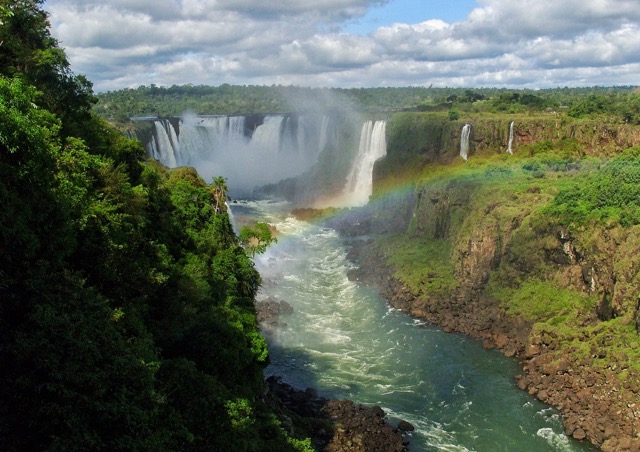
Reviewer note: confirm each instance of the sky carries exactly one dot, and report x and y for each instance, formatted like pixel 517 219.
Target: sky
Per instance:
pixel 351 43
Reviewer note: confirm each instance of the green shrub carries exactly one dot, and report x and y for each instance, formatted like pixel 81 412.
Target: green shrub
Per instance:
pixel 612 192
pixel 539 300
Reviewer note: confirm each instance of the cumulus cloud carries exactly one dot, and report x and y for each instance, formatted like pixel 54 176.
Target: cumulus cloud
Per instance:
pixel 526 43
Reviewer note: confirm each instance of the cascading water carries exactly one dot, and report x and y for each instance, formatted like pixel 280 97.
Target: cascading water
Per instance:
pixel 199 136
pixel 268 136
pixel 165 143
pixel 232 219
pixel 464 141
pixel 345 341
pixel 324 133
pixel 510 141
pixel 373 146
pixel 274 148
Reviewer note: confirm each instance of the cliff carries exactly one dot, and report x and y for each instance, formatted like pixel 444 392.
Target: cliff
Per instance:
pixel 419 139
pixel 537 254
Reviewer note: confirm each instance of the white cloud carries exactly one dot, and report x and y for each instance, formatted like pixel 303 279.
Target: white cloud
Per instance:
pixel 528 43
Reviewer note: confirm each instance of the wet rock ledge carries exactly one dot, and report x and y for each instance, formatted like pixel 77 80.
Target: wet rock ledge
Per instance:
pixel 335 425
pixel 332 425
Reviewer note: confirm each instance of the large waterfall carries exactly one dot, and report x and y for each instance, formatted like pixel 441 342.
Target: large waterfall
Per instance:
pixel 164 143
pixel 464 141
pixel 373 146
pixel 510 141
pixel 247 150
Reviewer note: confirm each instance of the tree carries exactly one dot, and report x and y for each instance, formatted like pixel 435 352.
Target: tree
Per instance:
pixel 257 239
pixel 29 52
pixel 219 192
pixel 67 365
pixel 126 304
pixel 30 211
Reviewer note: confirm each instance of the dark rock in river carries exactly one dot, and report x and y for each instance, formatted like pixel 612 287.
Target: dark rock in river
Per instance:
pixel 269 311
pixel 405 426
pixel 336 425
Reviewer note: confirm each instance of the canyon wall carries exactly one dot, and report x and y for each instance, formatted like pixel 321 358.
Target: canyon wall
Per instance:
pixel 498 266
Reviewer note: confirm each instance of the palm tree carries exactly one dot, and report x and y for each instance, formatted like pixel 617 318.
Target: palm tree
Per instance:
pixel 219 191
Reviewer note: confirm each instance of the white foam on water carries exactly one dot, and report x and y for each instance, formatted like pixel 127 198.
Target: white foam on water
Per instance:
pixel 559 441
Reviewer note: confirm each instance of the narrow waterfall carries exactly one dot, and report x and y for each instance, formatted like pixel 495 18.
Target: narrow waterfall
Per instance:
pixel 232 218
pixel 373 146
pixel 248 150
pixel 510 142
pixel 324 133
pixel 152 148
pixel 464 141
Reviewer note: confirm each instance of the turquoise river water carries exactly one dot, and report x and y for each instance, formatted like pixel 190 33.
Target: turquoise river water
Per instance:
pixel 345 341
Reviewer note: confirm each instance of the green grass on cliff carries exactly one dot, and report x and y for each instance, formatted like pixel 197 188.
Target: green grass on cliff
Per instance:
pixel 610 193
pixel 423 266
pixel 612 345
pixel 543 301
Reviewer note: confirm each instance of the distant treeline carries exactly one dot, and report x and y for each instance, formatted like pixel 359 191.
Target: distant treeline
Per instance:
pixel 622 102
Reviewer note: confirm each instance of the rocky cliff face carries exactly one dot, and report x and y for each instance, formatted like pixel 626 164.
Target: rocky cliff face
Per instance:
pixel 592 137
pixel 417 139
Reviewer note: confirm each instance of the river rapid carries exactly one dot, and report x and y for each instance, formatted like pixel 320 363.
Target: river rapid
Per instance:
pixel 345 341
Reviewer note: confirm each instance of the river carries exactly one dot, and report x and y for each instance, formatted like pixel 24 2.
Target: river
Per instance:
pixel 345 341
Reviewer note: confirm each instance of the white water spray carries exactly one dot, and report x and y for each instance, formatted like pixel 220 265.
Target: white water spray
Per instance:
pixel 373 146
pixel 166 143
pixel 248 155
pixel 510 142
pixel 464 141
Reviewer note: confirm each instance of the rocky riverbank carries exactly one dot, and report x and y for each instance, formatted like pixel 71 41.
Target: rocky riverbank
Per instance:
pixel 332 425
pixel 335 425
pixel 596 405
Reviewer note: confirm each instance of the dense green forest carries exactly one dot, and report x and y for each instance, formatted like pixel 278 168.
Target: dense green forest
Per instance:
pixel 126 299
pixel 619 103
pixel 126 316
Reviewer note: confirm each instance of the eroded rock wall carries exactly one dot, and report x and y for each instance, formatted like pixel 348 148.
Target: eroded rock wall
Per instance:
pixel 499 240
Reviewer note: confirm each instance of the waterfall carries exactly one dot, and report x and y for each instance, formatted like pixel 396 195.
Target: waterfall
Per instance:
pixel 232 218
pixel 202 137
pixel 166 142
pixel 248 150
pixel 267 136
pixel 373 146
pixel 510 142
pixel 152 148
pixel 324 133
pixel 464 141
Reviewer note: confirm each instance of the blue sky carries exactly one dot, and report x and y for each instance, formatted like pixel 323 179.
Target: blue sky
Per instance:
pixel 410 11
pixel 351 43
